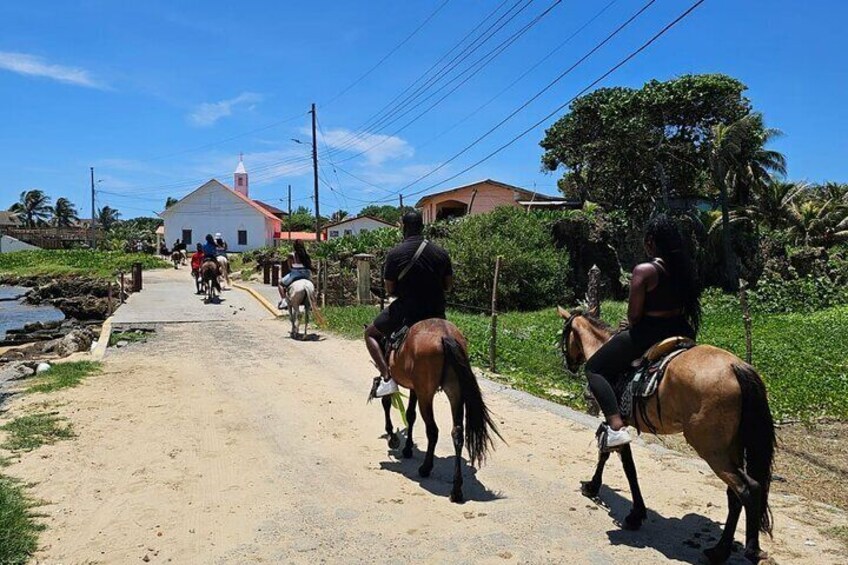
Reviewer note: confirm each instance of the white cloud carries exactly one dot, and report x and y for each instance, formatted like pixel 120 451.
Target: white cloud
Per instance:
pixel 32 65
pixel 379 148
pixel 208 113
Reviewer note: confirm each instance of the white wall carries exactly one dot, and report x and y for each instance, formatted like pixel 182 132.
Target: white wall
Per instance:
pixel 214 208
pixel 10 244
pixel 355 226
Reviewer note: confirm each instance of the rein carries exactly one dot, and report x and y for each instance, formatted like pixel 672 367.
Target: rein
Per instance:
pixel 563 347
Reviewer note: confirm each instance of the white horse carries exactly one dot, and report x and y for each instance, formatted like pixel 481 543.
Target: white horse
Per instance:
pixel 225 268
pixel 300 297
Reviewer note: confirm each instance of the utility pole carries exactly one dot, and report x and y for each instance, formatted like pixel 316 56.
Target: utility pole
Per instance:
pixel 91 226
pixel 315 173
pixel 400 198
pixel 289 222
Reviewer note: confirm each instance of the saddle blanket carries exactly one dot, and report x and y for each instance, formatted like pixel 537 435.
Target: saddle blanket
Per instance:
pixel 645 380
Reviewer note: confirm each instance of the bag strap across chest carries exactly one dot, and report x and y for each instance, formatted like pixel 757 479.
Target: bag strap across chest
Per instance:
pixel 414 260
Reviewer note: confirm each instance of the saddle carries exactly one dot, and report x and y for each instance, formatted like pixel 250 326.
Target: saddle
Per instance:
pixel 644 381
pixel 395 341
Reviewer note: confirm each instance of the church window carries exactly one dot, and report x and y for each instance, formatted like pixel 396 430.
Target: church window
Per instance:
pixel 241 181
pixel 242 237
pixel 187 237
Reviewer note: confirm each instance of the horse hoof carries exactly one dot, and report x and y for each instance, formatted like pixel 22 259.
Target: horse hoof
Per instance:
pixel 589 489
pixel 407 452
pixel 424 471
pixel 394 441
pixel 634 520
pixel 717 554
pixel 756 556
pixel 456 496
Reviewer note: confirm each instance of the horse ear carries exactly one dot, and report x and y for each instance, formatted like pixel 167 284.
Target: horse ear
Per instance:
pixel 563 313
pixel 595 311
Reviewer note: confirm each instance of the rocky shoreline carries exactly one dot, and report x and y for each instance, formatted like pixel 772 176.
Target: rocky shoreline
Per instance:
pixel 85 302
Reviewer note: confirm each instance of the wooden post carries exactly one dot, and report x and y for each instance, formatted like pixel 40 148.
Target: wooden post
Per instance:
pixel 266 271
pixel 746 319
pixel 493 341
pixel 593 295
pixel 275 274
pixel 363 275
pixel 111 309
pixel 121 290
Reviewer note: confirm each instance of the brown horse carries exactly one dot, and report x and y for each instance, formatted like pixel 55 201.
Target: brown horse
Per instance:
pixel 209 276
pixel 434 357
pixel 719 403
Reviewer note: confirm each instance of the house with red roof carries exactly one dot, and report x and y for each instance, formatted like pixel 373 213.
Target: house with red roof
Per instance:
pixel 215 208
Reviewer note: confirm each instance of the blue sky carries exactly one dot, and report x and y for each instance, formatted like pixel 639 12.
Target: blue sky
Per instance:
pixel 159 95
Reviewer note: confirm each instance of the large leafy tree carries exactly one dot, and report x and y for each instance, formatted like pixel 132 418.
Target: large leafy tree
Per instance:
pixel 107 217
pixel 338 215
pixel 630 148
pixel 33 207
pixel 64 213
pixel 301 219
pixel 388 213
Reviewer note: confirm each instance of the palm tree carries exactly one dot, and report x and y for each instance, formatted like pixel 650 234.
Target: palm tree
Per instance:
pixel 739 162
pixel 775 200
pixel 819 223
pixel 33 207
pixel 338 216
pixel 107 217
pixel 170 202
pixel 64 213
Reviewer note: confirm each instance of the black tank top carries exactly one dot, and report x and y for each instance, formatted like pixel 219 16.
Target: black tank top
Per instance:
pixel 664 296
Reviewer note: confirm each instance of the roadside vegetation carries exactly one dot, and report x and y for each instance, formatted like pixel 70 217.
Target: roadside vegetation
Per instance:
pixel 128 336
pixel 803 357
pixel 57 262
pixel 18 526
pixel 31 431
pixel 63 375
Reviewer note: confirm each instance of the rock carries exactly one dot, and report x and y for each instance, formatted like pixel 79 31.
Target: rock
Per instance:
pixel 41 368
pixel 83 307
pixel 122 343
pixel 93 345
pixel 78 340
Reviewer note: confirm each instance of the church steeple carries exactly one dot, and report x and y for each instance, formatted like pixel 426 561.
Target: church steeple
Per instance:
pixel 240 177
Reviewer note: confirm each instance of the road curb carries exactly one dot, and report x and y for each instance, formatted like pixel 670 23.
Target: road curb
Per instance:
pixel 262 300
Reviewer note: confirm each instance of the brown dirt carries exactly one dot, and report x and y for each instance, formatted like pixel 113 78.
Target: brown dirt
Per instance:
pixel 263 450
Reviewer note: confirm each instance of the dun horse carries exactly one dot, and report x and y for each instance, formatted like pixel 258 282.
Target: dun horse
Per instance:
pixel 209 276
pixel 719 403
pixel 434 357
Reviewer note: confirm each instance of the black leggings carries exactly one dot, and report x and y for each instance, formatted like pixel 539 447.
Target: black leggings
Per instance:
pixel 612 361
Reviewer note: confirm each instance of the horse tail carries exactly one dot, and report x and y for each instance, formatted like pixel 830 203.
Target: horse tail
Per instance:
pixel 478 422
pixel 756 430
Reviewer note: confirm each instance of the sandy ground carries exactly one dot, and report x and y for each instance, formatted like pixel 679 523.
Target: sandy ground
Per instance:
pixel 264 450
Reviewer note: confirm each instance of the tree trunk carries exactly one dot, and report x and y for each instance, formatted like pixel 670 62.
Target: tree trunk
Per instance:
pixel 731 280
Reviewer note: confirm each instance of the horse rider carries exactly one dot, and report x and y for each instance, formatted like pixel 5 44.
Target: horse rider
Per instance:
pixel 300 267
pixel 210 252
pixel 181 248
pixel 222 259
pixel 418 273
pixel 664 302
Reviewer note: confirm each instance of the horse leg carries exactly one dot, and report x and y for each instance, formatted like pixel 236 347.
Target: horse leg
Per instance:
pixel 394 441
pixel 457 434
pixel 637 515
pixel 748 494
pixel 592 487
pixel 410 421
pixel 426 403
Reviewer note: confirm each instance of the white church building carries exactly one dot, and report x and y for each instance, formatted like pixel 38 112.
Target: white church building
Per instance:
pixel 214 207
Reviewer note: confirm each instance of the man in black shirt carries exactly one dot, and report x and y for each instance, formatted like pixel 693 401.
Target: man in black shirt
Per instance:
pixel 418 273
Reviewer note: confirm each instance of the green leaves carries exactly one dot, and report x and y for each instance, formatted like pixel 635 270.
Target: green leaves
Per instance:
pixel 73 261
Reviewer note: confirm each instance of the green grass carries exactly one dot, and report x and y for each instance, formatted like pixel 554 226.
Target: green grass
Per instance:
pixel 18 528
pixel 26 433
pixel 56 262
pixel 63 375
pixel 130 337
pixel 802 357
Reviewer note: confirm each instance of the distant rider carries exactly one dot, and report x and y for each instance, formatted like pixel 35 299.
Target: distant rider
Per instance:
pixel 300 267
pixel 418 273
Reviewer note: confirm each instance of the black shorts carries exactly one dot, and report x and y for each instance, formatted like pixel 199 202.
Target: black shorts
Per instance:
pixel 390 319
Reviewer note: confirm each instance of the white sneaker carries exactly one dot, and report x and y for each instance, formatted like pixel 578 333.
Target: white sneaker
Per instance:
pixel 283 304
pixel 386 388
pixel 610 439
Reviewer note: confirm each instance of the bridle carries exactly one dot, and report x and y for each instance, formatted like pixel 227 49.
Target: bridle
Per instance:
pixel 571 367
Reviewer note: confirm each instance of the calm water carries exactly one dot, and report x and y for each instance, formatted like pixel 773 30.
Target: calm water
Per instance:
pixel 14 314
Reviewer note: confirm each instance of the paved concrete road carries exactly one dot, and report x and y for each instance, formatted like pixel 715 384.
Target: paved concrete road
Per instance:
pixel 168 296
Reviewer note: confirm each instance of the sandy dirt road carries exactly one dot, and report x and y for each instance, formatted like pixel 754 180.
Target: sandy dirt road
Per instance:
pixel 263 450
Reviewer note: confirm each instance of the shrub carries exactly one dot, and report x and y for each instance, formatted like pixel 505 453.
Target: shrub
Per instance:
pixel 533 271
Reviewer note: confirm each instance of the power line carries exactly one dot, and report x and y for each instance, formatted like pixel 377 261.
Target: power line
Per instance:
pixel 617 66
pixel 550 85
pixel 387 55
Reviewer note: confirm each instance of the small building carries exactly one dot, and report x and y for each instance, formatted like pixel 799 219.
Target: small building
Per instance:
pixel 214 207
pixel 286 236
pixel 10 244
pixel 481 197
pixel 9 220
pixel 354 226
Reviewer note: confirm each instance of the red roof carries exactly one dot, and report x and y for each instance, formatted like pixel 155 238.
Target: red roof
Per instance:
pixel 303 235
